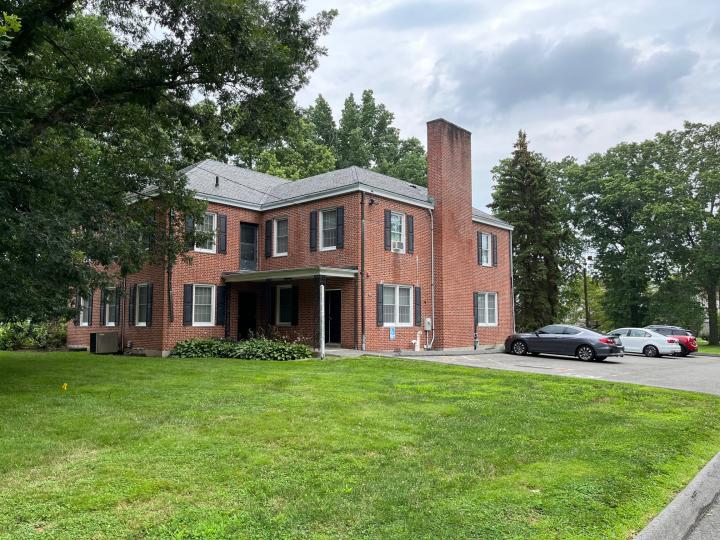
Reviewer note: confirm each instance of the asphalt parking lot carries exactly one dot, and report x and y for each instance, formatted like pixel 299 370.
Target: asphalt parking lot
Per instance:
pixel 695 372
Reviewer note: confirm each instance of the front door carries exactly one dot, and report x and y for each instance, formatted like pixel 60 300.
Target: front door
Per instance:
pixel 248 246
pixel 247 308
pixel 332 316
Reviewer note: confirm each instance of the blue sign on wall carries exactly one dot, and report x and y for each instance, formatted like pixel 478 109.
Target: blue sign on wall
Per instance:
pixel 392 332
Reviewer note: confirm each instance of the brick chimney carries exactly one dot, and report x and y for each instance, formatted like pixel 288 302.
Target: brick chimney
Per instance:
pixel 450 185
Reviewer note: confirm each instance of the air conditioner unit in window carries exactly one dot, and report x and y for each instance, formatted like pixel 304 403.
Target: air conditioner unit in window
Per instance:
pixel 104 342
pixel 398 246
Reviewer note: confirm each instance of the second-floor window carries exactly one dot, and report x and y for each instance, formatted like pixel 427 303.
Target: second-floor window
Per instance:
pixel 280 237
pixel 485 249
pixel 207 225
pixel 328 229
pixel 397 232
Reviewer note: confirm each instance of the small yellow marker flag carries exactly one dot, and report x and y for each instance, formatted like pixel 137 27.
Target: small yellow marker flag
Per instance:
pixel 64 386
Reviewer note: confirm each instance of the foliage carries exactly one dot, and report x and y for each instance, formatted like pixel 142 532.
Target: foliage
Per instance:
pixel 204 448
pixel 524 197
pixel 8 25
pixel 258 348
pixel 572 303
pixel 47 335
pixel 98 114
pixel 676 301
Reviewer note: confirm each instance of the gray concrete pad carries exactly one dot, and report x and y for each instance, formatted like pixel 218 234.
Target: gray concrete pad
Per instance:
pixel 695 372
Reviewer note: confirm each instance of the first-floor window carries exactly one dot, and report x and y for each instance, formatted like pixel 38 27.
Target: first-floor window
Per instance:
pixel 141 304
pixel 487 309
pixel 397 305
pixel 203 304
pixel 283 307
pixel 110 307
pixel 85 307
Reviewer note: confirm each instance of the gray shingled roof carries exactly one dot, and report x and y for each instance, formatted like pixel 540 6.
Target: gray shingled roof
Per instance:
pixel 263 190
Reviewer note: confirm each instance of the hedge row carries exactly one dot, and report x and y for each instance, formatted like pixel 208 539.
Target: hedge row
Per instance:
pixel 250 349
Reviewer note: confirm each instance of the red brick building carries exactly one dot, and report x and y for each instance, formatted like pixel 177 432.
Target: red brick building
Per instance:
pixel 394 263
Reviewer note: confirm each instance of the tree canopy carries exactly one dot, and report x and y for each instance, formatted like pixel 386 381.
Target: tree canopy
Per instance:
pixel 98 113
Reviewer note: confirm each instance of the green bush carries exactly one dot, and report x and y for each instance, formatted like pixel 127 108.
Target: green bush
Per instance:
pixel 47 335
pixel 251 349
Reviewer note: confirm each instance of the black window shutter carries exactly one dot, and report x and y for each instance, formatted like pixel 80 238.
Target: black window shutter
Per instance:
pixel 475 308
pixel 220 304
pixel 268 238
pixel 271 300
pixel 90 307
pixel 313 230
pixel 418 307
pixel 187 304
pixel 379 304
pixel 76 319
pixel 410 234
pixel 103 320
pixel 131 305
pixel 494 250
pixel 479 247
pixel 222 233
pixel 340 227
pixel 117 305
pixel 148 310
pixel 295 305
pixel 189 230
pixel 387 230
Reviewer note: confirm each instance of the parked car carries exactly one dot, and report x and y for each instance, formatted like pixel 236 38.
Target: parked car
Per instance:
pixel 647 341
pixel 688 343
pixel 565 340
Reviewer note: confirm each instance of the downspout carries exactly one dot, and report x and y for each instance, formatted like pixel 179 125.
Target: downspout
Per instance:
pixel 362 271
pixel 512 284
pixel 429 346
pixel 123 309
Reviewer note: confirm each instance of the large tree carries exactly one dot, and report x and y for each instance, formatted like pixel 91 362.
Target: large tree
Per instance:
pixel 524 196
pixel 93 121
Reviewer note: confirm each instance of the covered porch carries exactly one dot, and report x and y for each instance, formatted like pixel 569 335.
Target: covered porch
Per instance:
pixel 316 305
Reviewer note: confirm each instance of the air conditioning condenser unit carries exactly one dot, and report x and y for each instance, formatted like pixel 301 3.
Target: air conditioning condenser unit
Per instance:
pixel 104 342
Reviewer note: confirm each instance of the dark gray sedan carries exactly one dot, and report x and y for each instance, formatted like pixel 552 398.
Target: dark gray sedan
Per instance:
pixel 565 340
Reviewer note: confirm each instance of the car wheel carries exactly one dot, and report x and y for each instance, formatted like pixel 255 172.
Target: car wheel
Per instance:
pixel 519 348
pixel 651 351
pixel 684 350
pixel 585 353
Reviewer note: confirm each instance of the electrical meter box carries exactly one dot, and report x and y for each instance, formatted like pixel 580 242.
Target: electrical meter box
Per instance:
pixel 428 324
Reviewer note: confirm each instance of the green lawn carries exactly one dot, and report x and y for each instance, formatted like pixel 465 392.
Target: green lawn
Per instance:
pixel 369 447
pixel 703 347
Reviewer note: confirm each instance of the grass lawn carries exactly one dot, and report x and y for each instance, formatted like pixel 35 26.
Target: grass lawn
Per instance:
pixel 369 447
pixel 703 347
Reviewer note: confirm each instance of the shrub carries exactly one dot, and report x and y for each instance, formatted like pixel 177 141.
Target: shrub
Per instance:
pixel 250 349
pixel 46 335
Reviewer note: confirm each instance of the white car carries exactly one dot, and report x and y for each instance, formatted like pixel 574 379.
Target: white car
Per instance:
pixel 647 342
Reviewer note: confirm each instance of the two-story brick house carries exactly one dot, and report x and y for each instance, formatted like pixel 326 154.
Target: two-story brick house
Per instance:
pixel 388 262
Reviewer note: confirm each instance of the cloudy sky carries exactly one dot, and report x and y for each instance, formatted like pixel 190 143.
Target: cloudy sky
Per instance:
pixel 578 75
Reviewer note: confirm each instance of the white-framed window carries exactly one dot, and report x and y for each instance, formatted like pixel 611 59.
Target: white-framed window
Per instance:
pixel 487 309
pixel 141 304
pixel 84 306
pixel 397 232
pixel 283 305
pixel 397 305
pixel 203 305
pixel 486 249
pixel 110 307
pixel 208 224
pixel 328 229
pixel 280 237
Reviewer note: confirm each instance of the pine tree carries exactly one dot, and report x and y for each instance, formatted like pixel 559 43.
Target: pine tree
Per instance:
pixel 525 197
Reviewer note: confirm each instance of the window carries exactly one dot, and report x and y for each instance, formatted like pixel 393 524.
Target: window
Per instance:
pixel 248 246
pixel 487 309
pixel 283 305
pixel 85 307
pixel 208 225
pixel 141 304
pixel 397 305
pixel 110 307
pixel 486 249
pixel 397 232
pixel 619 332
pixel 203 305
pixel 280 237
pixel 636 332
pixel 328 229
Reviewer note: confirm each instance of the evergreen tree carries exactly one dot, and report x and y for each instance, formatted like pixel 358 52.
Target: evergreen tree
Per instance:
pixel 524 197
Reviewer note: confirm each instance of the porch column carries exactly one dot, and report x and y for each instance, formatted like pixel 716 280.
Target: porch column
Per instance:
pixel 321 300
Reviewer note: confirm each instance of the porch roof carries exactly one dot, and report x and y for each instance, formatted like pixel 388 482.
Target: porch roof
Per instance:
pixel 289 273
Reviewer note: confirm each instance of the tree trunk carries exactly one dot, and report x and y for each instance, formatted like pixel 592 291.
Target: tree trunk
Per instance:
pixel 712 293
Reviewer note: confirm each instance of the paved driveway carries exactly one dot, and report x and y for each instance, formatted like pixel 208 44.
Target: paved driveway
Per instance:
pixel 696 373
